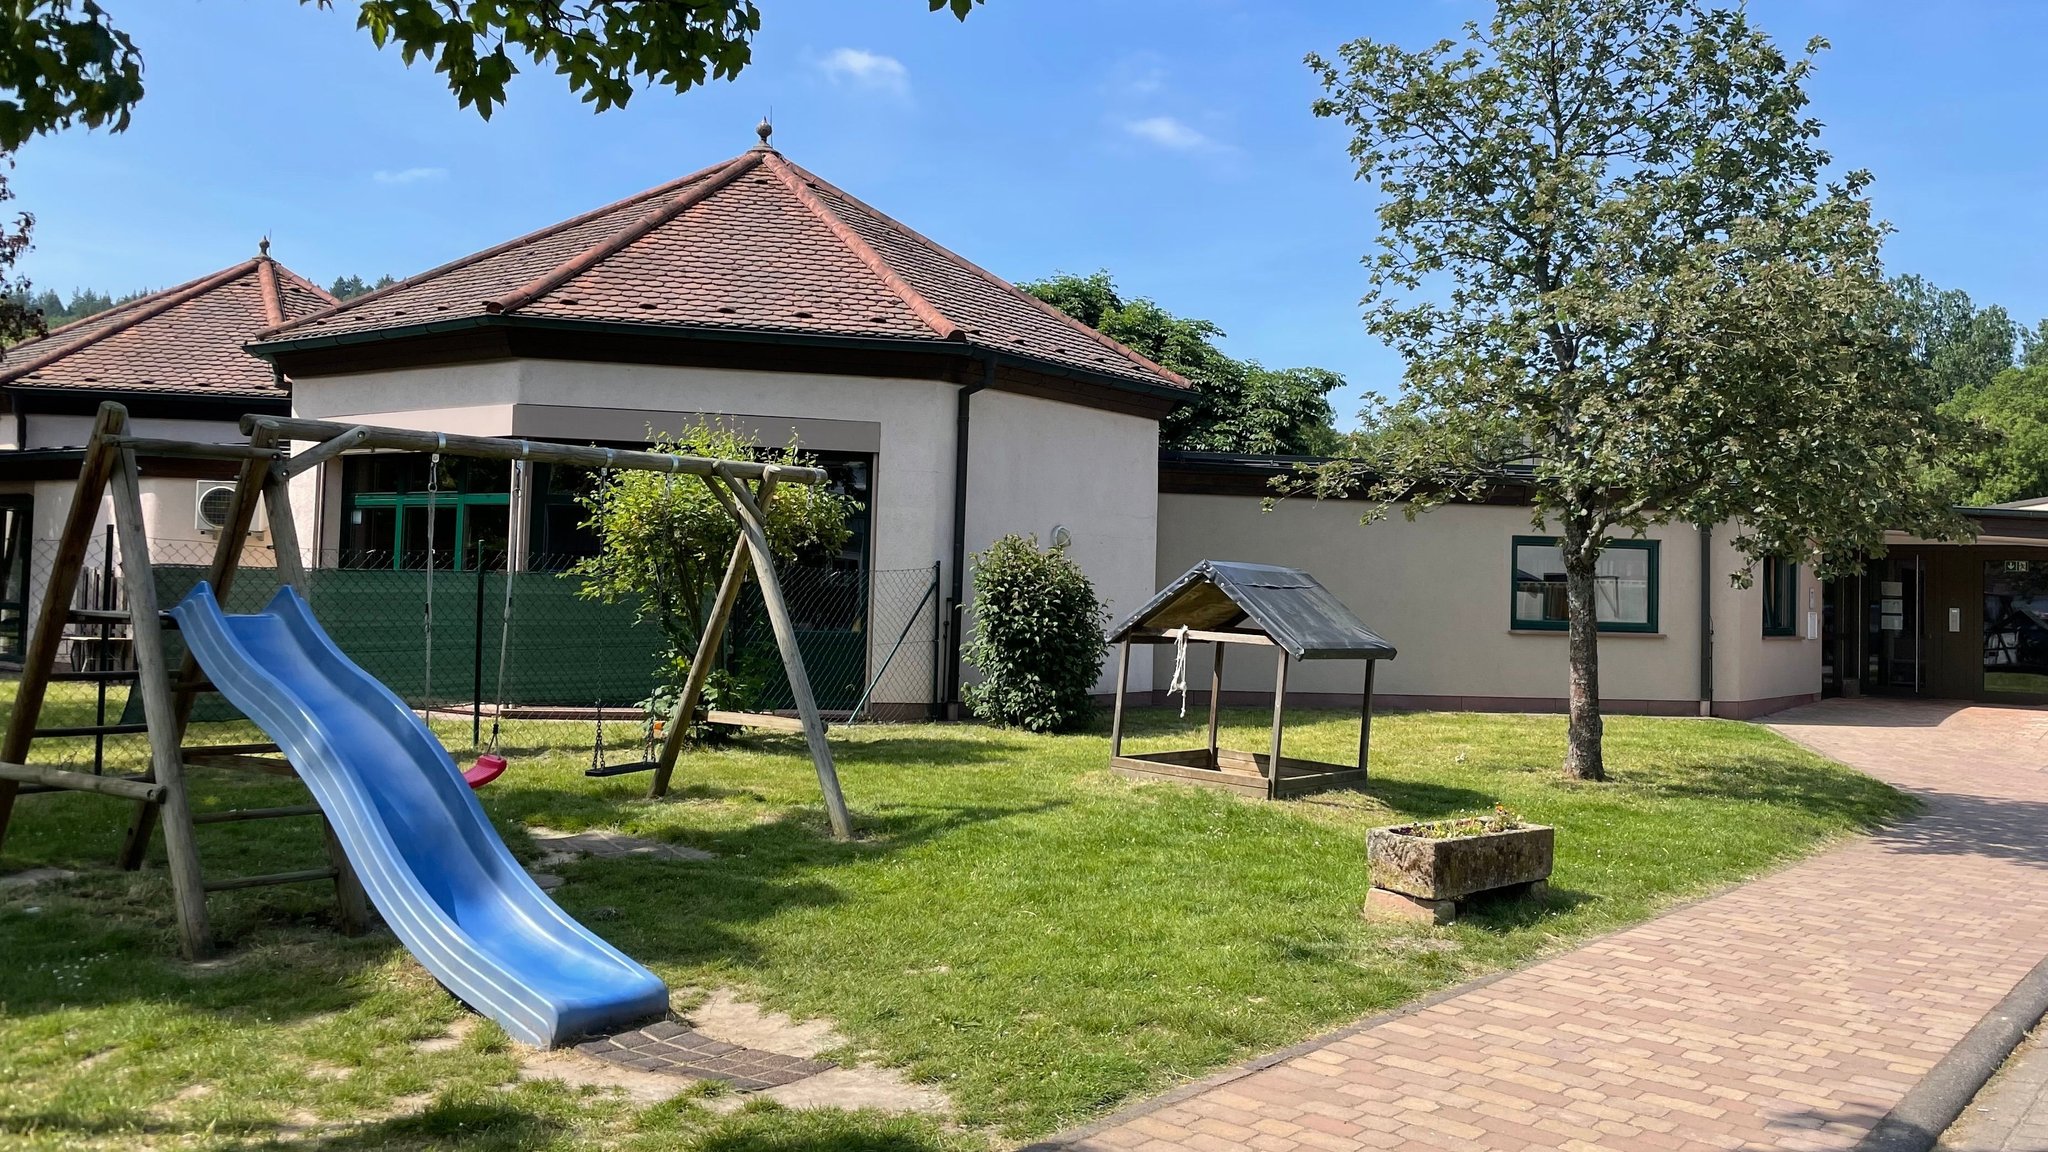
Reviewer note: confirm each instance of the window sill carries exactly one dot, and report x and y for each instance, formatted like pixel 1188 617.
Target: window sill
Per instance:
pixel 1770 636
pixel 1564 633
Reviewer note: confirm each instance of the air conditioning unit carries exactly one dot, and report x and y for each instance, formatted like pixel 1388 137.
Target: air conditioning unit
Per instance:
pixel 210 509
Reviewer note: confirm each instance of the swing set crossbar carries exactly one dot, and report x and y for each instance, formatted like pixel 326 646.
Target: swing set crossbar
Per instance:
pixel 537 451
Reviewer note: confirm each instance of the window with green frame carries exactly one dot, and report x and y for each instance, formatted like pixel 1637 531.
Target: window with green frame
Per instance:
pixel 1624 586
pixel 389 496
pixel 1781 597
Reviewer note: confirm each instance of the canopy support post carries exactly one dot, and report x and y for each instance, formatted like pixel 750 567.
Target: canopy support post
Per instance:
pixel 1365 718
pixel 1116 720
pixel 1279 713
pixel 1215 698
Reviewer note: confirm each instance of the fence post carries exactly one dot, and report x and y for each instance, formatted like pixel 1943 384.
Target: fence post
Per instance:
pixel 938 647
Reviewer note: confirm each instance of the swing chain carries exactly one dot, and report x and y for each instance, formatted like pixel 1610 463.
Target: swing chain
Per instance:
pixel 433 497
pixel 505 622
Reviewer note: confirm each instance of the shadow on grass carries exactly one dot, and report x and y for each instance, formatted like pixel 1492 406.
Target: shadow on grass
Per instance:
pixel 1818 789
pixel 473 1127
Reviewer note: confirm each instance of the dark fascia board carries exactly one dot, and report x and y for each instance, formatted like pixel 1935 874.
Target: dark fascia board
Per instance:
pixel 22 465
pixel 1247 474
pixel 282 352
pixel 162 405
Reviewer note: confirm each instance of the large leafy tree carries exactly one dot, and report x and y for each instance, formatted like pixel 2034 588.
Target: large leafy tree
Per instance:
pixel 2013 406
pixel 1244 406
pixel 1962 345
pixel 66 61
pixel 1611 256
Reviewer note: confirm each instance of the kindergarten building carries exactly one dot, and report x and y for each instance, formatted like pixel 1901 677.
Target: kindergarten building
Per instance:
pixel 957 409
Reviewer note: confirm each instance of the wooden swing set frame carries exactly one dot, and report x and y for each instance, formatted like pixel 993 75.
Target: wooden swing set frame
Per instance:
pixel 745 489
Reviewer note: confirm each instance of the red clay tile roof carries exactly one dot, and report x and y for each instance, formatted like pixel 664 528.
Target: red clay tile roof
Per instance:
pixel 754 245
pixel 186 339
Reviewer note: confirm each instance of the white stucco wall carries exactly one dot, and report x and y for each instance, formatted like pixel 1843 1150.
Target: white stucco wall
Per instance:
pixel 1749 666
pixel 1438 587
pixel 1035 464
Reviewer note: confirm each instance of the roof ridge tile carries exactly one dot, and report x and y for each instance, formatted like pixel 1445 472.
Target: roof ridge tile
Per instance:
pixel 1109 342
pixel 936 320
pixel 595 254
pixel 144 308
pixel 439 270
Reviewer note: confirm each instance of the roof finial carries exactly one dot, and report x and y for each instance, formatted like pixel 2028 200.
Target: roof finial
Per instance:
pixel 764 130
pixel 263 248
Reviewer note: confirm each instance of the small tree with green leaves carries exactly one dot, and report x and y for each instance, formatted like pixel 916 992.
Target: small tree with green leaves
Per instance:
pixel 1038 637
pixel 665 541
pixel 1610 253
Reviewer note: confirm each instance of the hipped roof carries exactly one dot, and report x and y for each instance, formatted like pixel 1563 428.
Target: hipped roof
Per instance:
pixel 753 247
pixel 185 340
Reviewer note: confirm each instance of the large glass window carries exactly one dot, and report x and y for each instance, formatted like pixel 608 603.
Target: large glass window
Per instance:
pixel 389 497
pixel 1781 597
pixel 2016 626
pixel 1624 585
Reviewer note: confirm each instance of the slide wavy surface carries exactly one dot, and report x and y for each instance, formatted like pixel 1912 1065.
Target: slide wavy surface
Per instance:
pixel 427 855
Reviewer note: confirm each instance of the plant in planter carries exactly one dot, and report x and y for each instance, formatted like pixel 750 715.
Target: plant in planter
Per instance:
pixel 1420 871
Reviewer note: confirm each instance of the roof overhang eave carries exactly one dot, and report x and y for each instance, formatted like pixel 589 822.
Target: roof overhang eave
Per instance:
pixel 272 349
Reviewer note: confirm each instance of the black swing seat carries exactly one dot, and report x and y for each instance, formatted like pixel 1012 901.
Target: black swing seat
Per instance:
pixel 623 769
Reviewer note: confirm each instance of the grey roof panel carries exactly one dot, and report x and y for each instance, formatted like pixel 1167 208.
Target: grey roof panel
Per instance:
pixel 1287 605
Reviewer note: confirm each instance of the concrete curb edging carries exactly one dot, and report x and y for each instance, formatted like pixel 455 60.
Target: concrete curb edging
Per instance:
pixel 1917 1121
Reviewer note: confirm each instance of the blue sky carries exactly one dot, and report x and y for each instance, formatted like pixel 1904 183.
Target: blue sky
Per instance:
pixel 1166 140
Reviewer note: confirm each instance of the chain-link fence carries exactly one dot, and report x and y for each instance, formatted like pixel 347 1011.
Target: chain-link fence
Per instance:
pixel 563 663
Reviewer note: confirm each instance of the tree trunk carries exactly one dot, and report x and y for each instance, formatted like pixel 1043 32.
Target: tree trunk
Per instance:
pixel 1582 757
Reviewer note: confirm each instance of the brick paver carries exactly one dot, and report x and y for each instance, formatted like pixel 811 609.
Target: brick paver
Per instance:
pixel 1790 1012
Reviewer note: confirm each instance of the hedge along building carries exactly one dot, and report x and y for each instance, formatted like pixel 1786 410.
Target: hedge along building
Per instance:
pixel 175 359
pixel 955 407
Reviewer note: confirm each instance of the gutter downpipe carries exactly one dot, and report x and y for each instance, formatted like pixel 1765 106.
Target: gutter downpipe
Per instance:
pixel 956 595
pixel 1706 620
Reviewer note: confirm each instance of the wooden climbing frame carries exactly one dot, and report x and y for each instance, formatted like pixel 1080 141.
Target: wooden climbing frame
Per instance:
pixel 159 793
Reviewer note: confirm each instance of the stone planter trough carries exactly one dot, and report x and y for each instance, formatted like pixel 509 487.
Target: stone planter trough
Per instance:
pixel 1424 877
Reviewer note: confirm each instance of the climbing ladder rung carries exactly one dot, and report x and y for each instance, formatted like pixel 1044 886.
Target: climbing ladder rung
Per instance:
pixel 90 730
pixel 201 751
pixel 267 879
pixel 43 777
pixel 237 815
pixel 101 615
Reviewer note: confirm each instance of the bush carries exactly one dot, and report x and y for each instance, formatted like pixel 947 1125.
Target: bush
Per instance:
pixel 1038 637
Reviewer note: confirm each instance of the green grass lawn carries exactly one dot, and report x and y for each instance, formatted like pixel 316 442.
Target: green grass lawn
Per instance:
pixel 1041 940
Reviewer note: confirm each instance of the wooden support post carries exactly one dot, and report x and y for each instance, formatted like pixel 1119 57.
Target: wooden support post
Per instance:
pixel 351 902
pixel 1215 697
pixel 40 657
pixel 1116 719
pixel 1365 719
pixel 741 504
pixel 227 557
pixel 685 714
pixel 188 885
pixel 1279 711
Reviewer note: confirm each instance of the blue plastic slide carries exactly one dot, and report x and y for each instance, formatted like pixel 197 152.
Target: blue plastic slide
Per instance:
pixel 426 854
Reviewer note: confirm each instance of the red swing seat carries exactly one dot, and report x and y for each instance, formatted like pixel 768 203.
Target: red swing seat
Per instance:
pixel 488 767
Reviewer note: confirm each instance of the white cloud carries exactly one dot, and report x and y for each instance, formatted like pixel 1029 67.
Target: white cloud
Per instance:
pixel 408 175
pixel 864 69
pixel 1167 132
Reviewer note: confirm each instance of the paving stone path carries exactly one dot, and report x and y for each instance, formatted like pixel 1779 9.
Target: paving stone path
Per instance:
pixel 1790 1012
pixel 673 1048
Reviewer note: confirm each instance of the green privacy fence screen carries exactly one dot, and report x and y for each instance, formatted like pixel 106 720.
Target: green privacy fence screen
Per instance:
pixel 567 652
